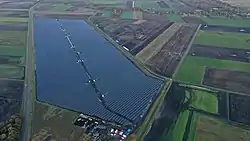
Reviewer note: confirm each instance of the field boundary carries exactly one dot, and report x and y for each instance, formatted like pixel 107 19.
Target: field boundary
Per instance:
pixel 187 50
pixel 203 74
pixel 208 87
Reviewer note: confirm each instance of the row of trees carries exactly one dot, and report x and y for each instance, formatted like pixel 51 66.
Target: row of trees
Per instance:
pixel 10 129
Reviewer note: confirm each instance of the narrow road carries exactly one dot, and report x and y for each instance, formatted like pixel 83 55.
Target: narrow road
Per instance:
pixel 29 81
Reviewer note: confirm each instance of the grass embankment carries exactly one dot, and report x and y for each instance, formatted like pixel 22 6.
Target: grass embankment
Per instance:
pixel 192 129
pixel 227 22
pixel 204 100
pixel 193 68
pixel 180 126
pixel 142 130
pixel 223 39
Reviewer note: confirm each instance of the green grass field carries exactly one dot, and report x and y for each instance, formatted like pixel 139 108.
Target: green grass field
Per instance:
pixel 192 129
pixel 175 18
pixel 106 13
pixel 61 7
pixel 223 39
pixel 12 51
pixel 152 4
pixel 9 71
pixel 204 100
pixel 180 126
pixel 13 38
pixel 127 15
pixel 227 22
pixel 192 69
pixel 13 19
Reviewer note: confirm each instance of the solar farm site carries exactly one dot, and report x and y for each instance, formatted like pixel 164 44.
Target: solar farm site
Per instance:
pixel 124 88
pixel 111 70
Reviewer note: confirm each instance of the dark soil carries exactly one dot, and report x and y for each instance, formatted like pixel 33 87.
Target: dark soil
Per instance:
pixel 232 54
pixel 222 104
pixel 11 89
pixel 225 28
pixel 14 27
pixel 12 60
pixel 227 79
pixel 19 14
pixel 8 107
pixel 239 108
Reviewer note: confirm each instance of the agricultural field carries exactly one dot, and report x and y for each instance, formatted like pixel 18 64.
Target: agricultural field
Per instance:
pixel 209 128
pixel 48 120
pixel 215 55
pixel 196 125
pixel 53 6
pixel 182 105
pixel 239 3
pixel 131 35
pixel 197 65
pixel 13 32
pixel 165 58
pixel 223 39
pixel 17 4
pixel 166 116
pixel 203 100
pixel 238 81
pixel 239 108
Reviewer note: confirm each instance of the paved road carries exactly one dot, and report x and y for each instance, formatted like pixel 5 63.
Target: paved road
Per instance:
pixel 29 82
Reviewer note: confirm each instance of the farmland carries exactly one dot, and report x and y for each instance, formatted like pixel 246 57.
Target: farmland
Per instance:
pixel 184 103
pixel 204 100
pixel 200 63
pixel 167 59
pixel 239 109
pixel 132 36
pixel 13 27
pixel 223 39
pixel 209 128
pixel 78 71
pixel 164 58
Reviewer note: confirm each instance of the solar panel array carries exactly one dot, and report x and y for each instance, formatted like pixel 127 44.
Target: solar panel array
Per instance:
pixel 61 81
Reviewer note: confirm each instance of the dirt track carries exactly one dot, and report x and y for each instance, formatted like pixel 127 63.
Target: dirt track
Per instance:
pixel 227 79
pixel 233 54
